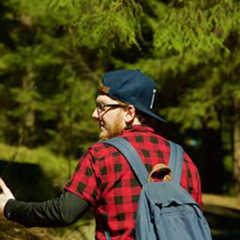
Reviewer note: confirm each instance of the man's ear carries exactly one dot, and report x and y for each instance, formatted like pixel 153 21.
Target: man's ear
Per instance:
pixel 130 114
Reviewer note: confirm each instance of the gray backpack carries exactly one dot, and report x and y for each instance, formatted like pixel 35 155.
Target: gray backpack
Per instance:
pixel 166 211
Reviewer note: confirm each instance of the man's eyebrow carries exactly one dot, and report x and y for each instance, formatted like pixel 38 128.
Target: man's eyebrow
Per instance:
pixel 99 101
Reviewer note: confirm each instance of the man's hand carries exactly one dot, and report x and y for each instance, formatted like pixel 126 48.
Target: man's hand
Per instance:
pixel 5 195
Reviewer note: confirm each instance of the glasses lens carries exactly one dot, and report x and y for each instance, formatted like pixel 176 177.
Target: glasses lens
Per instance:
pixel 100 107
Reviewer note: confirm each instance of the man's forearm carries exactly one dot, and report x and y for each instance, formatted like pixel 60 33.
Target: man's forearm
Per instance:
pixel 58 212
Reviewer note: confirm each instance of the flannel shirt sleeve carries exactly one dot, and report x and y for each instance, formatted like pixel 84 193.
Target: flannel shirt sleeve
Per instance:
pixel 190 180
pixel 83 183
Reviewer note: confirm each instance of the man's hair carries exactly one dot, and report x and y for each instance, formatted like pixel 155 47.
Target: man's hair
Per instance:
pixel 144 119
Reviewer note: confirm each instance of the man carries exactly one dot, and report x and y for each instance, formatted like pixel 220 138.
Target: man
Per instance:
pixel 103 179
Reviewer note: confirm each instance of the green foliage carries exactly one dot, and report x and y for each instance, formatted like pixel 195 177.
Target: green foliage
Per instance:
pixel 201 30
pixel 53 64
pixel 49 82
pixel 195 59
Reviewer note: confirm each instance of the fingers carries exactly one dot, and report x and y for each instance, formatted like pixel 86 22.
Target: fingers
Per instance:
pixel 5 195
pixel 5 190
pixel 2 184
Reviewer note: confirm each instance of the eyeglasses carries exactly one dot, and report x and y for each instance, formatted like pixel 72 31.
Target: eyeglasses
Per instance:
pixel 101 106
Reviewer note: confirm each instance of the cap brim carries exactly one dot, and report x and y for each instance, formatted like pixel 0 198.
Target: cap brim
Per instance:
pixel 151 114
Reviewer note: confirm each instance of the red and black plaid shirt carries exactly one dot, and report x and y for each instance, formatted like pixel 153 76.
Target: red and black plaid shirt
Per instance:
pixel 104 178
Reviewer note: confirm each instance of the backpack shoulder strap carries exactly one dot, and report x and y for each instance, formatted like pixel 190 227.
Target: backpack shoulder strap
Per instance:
pixel 176 161
pixel 132 157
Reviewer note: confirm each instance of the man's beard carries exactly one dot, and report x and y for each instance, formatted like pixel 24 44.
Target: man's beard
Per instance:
pixel 113 131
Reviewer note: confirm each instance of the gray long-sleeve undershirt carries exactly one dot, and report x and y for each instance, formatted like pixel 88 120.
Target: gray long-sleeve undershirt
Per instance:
pixel 58 212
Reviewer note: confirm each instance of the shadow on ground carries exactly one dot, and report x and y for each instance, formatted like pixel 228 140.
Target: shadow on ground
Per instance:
pixel 223 221
pixel 27 181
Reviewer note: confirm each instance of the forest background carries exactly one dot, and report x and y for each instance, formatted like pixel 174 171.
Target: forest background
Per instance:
pixel 54 52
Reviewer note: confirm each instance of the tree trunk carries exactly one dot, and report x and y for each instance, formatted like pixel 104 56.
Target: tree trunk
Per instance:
pixel 28 119
pixel 210 159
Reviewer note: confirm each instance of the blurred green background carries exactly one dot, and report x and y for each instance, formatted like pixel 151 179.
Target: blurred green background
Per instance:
pixel 54 52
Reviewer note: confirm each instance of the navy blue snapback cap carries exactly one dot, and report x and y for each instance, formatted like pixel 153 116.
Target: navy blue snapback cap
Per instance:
pixel 132 87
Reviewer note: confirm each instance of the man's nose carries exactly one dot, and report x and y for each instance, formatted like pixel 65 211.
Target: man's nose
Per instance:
pixel 95 114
